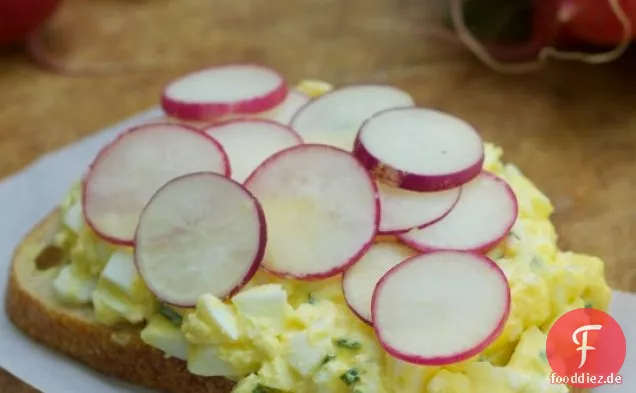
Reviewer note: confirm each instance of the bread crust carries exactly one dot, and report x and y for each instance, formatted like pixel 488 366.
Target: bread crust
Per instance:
pixel 117 352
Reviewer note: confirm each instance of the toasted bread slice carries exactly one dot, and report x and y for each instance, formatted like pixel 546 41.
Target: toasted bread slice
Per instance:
pixel 117 352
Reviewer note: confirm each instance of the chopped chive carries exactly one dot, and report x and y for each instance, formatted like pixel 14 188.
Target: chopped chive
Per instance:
pixel 358 390
pixel 535 263
pixel 310 298
pixel 513 234
pixel 348 344
pixel 351 376
pixel 260 389
pixel 328 358
pixel 544 356
pixel 481 358
pixel 171 315
pixel 588 305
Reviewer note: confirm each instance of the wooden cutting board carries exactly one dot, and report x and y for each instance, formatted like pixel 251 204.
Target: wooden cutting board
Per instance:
pixel 571 128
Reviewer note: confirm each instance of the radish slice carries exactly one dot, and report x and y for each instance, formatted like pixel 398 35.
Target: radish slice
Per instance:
pixel 420 149
pixel 292 104
pixel 440 308
pixel 336 139
pixel 321 207
pixel 225 90
pixel 403 210
pixel 201 233
pixel 342 111
pixel 483 215
pixel 359 281
pixel 129 170
pixel 249 142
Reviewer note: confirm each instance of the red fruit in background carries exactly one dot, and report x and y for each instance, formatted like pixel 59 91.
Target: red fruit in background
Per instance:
pixel 594 21
pixel 18 18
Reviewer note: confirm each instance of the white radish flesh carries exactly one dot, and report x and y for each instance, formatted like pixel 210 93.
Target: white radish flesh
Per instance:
pixel 481 218
pixel 419 149
pixel 321 208
pixel 403 210
pixel 128 171
pixel 340 140
pixel 359 281
pixel 237 89
pixel 440 308
pixel 292 104
pixel 342 111
pixel 249 142
pixel 201 233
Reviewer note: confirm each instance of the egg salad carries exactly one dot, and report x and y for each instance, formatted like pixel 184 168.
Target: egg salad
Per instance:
pixel 283 334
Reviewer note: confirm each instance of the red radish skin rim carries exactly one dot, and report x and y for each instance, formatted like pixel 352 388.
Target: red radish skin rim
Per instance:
pixel 397 232
pixel 336 90
pixel 353 259
pixel 485 247
pixel 252 120
pixel 258 256
pixel 292 132
pixel 410 181
pixel 210 110
pixel 333 272
pixel 291 91
pixel 130 242
pixel 357 314
pixel 344 291
pixel 443 360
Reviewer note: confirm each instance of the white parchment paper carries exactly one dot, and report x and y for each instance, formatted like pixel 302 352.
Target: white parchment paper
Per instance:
pixel 26 197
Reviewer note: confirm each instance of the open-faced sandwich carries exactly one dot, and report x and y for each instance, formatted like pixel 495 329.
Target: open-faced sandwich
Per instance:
pixel 266 238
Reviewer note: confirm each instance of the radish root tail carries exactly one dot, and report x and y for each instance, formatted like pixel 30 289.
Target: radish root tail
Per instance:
pixel 473 44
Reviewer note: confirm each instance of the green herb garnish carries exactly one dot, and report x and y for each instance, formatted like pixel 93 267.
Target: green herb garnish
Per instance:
pixel 171 315
pixel 327 359
pixel 536 263
pixel 348 344
pixel 310 298
pixel 358 390
pixel 351 376
pixel 513 234
pixel 588 305
pixel 481 358
pixel 544 356
pixel 260 389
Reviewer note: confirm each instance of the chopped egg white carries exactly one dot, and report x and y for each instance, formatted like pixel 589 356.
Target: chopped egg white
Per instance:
pixel 218 315
pixel 166 336
pixel 303 356
pixel 264 303
pixel 74 219
pixel 74 286
pixel 120 270
pixel 204 360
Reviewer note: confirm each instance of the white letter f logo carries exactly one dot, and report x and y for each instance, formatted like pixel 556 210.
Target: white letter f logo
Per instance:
pixel 583 344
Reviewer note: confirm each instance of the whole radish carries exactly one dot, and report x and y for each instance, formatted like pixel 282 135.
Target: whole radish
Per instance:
pixel 19 18
pixel 595 22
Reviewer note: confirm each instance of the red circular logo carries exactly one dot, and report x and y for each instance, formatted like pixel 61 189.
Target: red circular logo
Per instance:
pixel 586 348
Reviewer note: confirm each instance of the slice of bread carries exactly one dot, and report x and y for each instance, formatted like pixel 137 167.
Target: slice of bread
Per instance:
pixel 117 352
